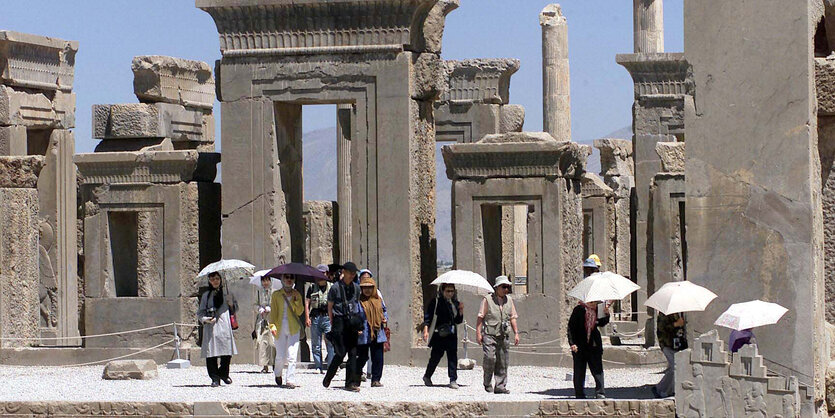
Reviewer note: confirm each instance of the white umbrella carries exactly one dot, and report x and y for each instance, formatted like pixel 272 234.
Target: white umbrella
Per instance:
pixel 755 313
pixel 675 297
pixel 603 286
pixel 228 269
pixel 465 280
pixel 255 280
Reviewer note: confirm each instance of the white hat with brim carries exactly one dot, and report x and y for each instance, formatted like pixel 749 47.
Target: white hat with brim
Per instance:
pixel 502 280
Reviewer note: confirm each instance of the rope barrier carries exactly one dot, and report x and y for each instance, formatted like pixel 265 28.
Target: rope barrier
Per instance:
pixel 110 334
pixel 635 334
pixel 124 356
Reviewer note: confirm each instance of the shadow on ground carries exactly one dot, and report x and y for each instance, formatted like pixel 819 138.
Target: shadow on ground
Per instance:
pixel 643 392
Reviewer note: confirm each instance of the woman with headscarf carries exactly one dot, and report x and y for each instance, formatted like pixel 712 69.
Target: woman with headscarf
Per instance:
pixel 443 315
pixel 373 335
pixel 218 343
pixel 285 308
pixel 264 343
pixel 587 346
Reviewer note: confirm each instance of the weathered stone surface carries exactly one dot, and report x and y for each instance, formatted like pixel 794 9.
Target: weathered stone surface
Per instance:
pixel 173 80
pixel 429 77
pixel 480 80
pixel 19 286
pixel 648 27
pixel 140 120
pixel 12 140
pixel 36 109
pixel 430 39
pixel 658 73
pixel 672 156
pixel 830 387
pixel 556 86
pixel 20 171
pixel 37 62
pixel 512 118
pixel 615 157
pixel 130 370
pixel 319 232
pixel 609 407
pixel 747 217
pixel 137 167
pixel 518 137
pixel 60 408
pixel 825 82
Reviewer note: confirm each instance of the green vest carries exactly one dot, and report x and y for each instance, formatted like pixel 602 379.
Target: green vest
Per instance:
pixel 319 298
pixel 496 316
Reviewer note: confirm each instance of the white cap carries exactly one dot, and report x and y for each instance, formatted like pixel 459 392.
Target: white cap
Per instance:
pixel 502 280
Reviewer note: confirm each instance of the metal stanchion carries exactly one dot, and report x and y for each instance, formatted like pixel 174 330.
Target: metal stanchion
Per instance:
pixel 177 363
pixel 466 363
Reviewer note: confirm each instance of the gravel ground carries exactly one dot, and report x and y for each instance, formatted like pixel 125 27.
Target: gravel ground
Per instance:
pixel 401 383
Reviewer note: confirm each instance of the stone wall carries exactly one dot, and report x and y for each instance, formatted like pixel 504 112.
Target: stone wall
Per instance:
pixel 321 244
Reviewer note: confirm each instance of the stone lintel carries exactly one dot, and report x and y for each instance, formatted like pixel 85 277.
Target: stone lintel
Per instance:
pixel 825 83
pixel 308 27
pixel 37 62
pixel 664 73
pixel 522 155
pixel 148 120
pixel 20 171
pixel 36 109
pixel 672 156
pixel 138 167
pixel 593 186
pixel 480 80
pixel 173 80
pixel 615 157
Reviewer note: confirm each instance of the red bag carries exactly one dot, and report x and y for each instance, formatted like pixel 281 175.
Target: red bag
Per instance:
pixel 234 321
pixel 387 344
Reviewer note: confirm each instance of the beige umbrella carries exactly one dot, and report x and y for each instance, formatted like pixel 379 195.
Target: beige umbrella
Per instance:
pixel 603 286
pixel 675 297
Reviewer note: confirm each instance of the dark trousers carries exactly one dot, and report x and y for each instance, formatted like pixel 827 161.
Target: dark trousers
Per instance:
pixel 376 350
pixel 594 360
pixel 344 340
pixel 216 373
pixel 444 345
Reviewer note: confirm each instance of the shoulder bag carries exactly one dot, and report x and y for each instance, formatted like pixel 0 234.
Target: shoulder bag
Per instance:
pixel 351 315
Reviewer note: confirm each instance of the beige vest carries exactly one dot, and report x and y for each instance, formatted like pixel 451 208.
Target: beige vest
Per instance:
pixel 496 315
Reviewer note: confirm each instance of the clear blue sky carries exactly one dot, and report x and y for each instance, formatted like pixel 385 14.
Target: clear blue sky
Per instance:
pixel 111 32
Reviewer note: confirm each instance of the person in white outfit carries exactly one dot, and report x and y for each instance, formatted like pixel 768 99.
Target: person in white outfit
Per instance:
pixel 285 308
pixel 264 344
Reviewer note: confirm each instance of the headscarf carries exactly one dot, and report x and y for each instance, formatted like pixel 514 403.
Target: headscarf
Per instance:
pixel 591 319
pixel 373 306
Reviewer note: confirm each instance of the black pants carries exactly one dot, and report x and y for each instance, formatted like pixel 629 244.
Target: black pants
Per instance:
pixel 216 373
pixel 376 350
pixel 443 345
pixel 344 340
pixel 594 360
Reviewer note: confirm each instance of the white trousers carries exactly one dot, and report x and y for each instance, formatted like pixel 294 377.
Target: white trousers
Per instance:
pixel 286 350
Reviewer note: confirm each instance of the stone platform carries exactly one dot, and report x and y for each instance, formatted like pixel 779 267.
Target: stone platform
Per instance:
pixel 536 391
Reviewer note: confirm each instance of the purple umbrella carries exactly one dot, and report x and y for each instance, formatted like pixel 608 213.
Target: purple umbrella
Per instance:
pixel 300 270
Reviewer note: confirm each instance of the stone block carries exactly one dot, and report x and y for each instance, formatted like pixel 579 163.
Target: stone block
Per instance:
pixel 116 314
pixel 19 253
pixel 35 109
pixel 466 364
pixel 615 157
pixel 37 62
pixel 430 39
pixel 20 171
pixel 825 83
pixel 429 76
pixel 672 156
pixel 480 80
pixel 12 140
pixel 137 167
pixel 130 370
pixel 512 118
pixel 140 120
pixel 319 233
pixel 173 80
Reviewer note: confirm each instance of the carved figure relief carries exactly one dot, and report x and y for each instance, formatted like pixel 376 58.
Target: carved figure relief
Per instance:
pixel 729 393
pixel 755 405
pixel 48 292
pixel 695 400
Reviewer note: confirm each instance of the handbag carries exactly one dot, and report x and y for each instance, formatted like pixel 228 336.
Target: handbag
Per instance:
pixel 351 315
pixel 387 344
pixel 679 339
pixel 233 319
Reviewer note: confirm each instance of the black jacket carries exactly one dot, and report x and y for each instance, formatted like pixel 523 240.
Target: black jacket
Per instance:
pixel 444 316
pixel 577 331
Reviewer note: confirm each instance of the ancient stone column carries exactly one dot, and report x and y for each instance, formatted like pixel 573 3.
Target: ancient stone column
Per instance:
pixel 649 26
pixel 556 104
pixel 343 190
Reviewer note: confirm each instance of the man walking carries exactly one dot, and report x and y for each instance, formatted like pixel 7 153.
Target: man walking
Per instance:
pixel 316 311
pixel 345 327
pixel 496 318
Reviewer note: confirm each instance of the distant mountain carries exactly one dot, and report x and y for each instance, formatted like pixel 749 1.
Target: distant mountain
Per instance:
pixel 319 148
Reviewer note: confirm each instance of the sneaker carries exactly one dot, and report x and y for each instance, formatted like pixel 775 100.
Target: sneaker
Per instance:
pixel 501 390
pixel 489 388
pixel 363 378
pixel 352 388
pixel 427 381
pixel 600 396
pixel 376 385
pixel 453 385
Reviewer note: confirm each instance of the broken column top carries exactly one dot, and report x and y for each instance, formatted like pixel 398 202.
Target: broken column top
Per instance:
pixel 516 154
pixel 615 156
pixel 37 62
pixel 479 80
pixel 173 80
pixel 551 15
pixel 665 73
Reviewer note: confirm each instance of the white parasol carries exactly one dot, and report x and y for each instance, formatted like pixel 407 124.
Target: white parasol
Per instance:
pixel 465 280
pixel 755 313
pixel 603 286
pixel 675 297
pixel 255 280
pixel 233 269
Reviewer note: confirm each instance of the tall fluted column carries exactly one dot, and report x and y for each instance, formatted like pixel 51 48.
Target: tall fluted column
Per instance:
pixel 556 98
pixel 649 26
pixel 343 191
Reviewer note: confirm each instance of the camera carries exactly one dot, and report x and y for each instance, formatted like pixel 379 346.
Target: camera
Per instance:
pixel 212 312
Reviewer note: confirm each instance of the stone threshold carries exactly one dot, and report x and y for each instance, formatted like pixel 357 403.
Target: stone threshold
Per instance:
pixel 605 407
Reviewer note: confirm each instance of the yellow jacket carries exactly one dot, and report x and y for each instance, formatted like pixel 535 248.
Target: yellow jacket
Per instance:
pixel 277 305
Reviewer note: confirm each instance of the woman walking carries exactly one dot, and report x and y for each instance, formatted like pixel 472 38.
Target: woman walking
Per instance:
pixel 439 329
pixel 372 310
pixel 218 345
pixel 587 346
pixel 264 343
pixel 286 307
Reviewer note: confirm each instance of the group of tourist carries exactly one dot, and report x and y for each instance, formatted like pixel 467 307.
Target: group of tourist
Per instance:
pixel 346 309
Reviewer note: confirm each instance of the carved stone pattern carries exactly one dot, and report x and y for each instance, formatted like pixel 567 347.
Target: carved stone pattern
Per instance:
pixel 658 74
pixel 140 170
pixel 484 81
pixel 38 66
pixel 315 25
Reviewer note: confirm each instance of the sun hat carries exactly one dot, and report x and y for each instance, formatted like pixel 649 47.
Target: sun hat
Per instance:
pixel 322 267
pixel 590 263
pixel 502 280
pixel 367 282
pixel 596 260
